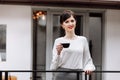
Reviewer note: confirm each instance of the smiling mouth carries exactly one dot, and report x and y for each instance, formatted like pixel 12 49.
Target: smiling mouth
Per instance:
pixel 70 27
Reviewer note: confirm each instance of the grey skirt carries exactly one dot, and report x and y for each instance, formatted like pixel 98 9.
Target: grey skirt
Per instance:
pixel 66 75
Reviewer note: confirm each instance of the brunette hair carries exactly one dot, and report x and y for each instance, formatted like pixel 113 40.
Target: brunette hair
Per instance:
pixel 65 15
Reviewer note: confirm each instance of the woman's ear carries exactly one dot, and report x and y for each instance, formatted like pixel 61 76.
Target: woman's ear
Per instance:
pixel 62 26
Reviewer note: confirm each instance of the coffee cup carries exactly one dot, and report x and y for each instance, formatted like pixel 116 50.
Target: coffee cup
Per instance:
pixel 65 45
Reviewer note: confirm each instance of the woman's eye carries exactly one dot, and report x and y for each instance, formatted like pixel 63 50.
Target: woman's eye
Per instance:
pixel 66 21
pixel 72 20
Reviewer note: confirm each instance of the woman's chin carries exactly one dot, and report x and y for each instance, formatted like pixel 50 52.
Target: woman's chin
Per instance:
pixel 70 30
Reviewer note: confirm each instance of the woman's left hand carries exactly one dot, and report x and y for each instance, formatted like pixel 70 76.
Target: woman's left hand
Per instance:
pixel 88 72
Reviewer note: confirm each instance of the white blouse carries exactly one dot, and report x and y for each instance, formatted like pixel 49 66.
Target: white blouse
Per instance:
pixel 76 56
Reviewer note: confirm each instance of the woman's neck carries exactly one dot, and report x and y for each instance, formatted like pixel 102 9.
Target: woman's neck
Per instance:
pixel 70 35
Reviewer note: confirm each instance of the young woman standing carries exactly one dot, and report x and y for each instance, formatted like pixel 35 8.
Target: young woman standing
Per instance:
pixel 76 56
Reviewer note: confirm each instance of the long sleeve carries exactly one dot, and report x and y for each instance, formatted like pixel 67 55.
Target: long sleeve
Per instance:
pixel 55 58
pixel 87 60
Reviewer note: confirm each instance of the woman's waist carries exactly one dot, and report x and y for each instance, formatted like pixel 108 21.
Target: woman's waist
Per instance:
pixel 67 69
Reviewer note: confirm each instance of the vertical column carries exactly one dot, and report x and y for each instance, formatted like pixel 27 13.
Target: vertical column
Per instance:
pixel 6 75
pixel 77 75
pixel 85 76
pixel 0 75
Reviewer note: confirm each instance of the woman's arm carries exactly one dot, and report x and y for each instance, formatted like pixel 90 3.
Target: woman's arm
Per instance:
pixel 87 60
pixel 56 56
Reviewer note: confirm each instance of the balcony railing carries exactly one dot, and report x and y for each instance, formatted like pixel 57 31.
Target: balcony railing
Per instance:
pixel 6 73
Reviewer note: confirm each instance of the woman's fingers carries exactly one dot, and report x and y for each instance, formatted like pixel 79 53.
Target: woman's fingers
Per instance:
pixel 59 48
pixel 88 72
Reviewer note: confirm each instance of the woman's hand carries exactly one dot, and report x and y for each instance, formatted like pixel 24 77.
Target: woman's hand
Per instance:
pixel 88 72
pixel 59 48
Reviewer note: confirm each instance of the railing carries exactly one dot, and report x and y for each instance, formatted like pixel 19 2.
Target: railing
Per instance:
pixel 6 72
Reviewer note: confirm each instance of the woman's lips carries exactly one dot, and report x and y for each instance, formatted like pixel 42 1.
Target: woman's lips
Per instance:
pixel 70 27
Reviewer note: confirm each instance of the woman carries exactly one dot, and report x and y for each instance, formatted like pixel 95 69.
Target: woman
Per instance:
pixel 76 56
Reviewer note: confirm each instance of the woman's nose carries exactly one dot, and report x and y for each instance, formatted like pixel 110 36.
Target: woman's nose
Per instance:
pixel 70 23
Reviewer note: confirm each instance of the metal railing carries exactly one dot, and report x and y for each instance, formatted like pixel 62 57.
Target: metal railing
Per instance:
pixel 6 72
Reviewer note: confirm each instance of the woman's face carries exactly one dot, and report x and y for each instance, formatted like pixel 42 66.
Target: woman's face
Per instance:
pixel 69 24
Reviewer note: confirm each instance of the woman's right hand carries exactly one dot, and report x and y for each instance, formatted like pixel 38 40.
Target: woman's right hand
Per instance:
pixel 59 48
